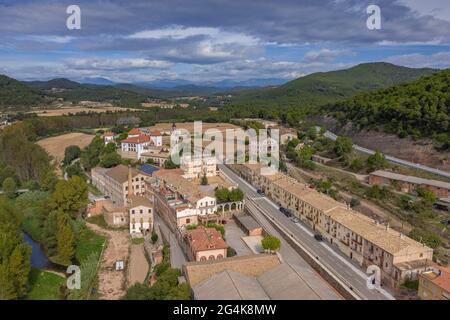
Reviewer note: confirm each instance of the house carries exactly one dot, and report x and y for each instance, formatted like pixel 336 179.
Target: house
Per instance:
pixel 113 183
pixel 179 201
pixel 140 211
pixel 205 244
pixel 409 184
pixel 435 284
pixel 195 167
pixel 134 132
pixel 136 144
pixel 156 138
pixel 109 137
pixel 158 155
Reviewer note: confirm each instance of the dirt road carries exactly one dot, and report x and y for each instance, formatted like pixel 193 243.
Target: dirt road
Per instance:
pixel 111 282
pixel 138 267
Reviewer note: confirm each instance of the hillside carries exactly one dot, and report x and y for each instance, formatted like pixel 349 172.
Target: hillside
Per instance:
pixel 14 94
pixel 325 87
pixel 418 109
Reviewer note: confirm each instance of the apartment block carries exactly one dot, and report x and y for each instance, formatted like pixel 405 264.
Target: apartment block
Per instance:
pixel 195 167
pixel 362 239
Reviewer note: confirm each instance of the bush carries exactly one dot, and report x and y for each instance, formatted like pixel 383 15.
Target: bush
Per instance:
pixel 430 239
pixel 154 237
pixel 231 252
pixel 271 243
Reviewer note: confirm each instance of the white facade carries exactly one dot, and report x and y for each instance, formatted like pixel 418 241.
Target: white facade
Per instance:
pixel 196 167
pixel 206 205
pixel 141 219
pixel 156 140
pixel 136 144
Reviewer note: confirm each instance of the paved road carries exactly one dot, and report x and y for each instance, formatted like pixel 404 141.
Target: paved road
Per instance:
pixel 405 163
pixel 341 266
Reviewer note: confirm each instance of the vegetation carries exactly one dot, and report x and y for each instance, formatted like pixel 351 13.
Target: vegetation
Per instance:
pixel 377 161
pixel 271 243
pixel 225 195
pixel 418 109
pixel 432 240
pixel 9 187
pixel 15 94
pixel 71 153
pixel 45 285
pixel 14 254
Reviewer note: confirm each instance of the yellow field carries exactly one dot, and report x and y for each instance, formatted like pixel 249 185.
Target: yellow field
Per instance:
pixel 73 110
pixel 55 146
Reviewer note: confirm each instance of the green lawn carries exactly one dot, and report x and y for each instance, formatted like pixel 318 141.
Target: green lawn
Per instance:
pixel 98 220
pixel 44 285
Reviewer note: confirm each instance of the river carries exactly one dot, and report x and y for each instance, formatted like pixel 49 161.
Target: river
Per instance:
pixel 39 259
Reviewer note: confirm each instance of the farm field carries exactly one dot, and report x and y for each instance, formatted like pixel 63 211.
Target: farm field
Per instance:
pixel 55 146
pixel 73 110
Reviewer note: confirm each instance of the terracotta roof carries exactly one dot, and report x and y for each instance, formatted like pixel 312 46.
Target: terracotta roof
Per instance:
pixel 134 131
pixel 203 239
pixel 441 278
pixel 139 139
pixel 155 133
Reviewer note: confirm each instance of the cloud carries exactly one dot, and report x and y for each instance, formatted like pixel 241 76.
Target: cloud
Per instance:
pixel 439 60
pixel 115 64
pixel 326 54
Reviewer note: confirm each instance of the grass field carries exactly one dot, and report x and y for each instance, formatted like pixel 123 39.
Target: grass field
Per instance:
pixel 55 146
pixel 73 110
pixel 44 285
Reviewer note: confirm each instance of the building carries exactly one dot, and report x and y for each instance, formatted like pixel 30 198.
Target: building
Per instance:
pixel 179 201
pixel 362 239
pixel 133 133
pixel 109 137
pixel 435 284
pixel 136 144
pixel 113 183
pixel 409 183
pixel 140 211
pixel 205 244
pixel 156 138
pixel 248 224
pixel 195 167
pixel 158 155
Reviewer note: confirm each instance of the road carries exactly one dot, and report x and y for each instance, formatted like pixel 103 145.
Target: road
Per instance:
pixel 177 256
pixel 341 266
pixel 332 136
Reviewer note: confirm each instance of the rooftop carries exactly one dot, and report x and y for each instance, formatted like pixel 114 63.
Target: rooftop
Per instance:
pixel 440 277
pixel 139 139
pixel 411 179
pixel 134 131
pixel 137 201
pixel 202 239
pixel 247 221
pixel 120 173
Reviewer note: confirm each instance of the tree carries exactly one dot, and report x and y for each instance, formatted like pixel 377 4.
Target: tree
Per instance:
pixel 430 239
pixel 70 196
pixel 14 254
pixel 109 160
pixel 236 195
pixel 222 194
pixel 204 180
pixel 271 243
pixel 71 153
pixel 74 170
pixel 343 146
pixel 64 240
pixel 427 196
pixel 377 161
pixel 10 187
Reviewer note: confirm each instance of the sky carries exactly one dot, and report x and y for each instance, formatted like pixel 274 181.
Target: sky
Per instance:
pixel 216 40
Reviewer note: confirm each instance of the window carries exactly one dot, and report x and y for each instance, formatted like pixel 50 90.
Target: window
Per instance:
pixel 141 211
pixel 219 256
pixel 211 257
pixel 188 220
pixel 149 210
pixel 132 211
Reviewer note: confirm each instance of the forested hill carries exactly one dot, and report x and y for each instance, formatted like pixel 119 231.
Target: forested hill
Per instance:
pixel 419 109
pixel 15 94
pixel 326 87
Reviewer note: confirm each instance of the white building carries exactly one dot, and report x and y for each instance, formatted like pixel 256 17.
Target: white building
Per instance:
pixel 196 167
pixel 141 215
pixel 136 144
pixel 109 137
pixel 156 138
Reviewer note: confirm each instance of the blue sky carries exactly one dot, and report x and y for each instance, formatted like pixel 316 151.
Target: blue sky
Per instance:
pixel 214 40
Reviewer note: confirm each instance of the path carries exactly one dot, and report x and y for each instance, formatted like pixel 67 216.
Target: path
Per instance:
pixel 138 267
pixel 111 283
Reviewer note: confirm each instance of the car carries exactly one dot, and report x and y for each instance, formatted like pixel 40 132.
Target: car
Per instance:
pixel 318 237
pixel 260 192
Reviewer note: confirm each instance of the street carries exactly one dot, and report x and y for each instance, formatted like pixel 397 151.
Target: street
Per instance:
pixel 341 266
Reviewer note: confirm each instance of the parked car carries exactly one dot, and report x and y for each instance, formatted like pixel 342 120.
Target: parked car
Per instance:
pixel 260 192
pixel 318 237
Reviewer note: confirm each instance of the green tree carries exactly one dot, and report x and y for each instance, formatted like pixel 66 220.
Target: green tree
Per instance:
pixel 111 159
pixel 377 161
pixel 427 196
pixel 64 240
pixel 236 195
pixel 343 146
pixel 271 243
pixel 430 239
pixel 70 196
pixel 222 194
pixel 14 254
pixel 71 153
pixel 10 187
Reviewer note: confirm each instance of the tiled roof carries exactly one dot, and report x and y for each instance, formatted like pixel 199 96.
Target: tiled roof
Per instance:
pixel 440 277
pixel 202 239
pixel 139 139
pixel 155 133
pixel 134 131
pixel 120 173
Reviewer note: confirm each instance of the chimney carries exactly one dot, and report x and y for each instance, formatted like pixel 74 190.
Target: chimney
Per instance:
pixel 387 226
pixel 130 184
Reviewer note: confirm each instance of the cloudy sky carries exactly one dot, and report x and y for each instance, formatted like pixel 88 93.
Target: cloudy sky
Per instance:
pixel 214 40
